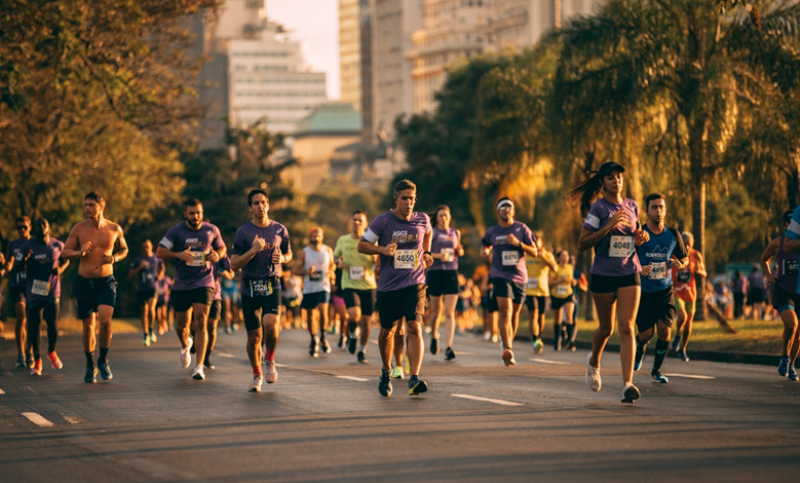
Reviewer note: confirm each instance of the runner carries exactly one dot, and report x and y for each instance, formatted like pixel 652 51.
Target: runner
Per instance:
pixel 561 300
pixel 316 264
pixel 194 246
pixel 16 291
pixel 756 296
pixel 580 286
pixel 403 239
pixel 538 290
pixel 94 241
pixel 612 229
pixel 230 301
pixel 683 280
pixel 222 271
pixel 442 279
pixel 43 262
pixel 337 310
pixel 163 289
pixel 506 245
pixel 145 268
pixel 662 253
pixel 260 247
pixel 358 282
pixel 784 297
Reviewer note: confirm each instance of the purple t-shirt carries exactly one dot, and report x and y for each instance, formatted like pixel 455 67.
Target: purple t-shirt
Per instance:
pixel 223 265
pixel 261 267
pixel 42 283
pixel 508 261
pixel 146 278
pixel 201 241
pixel 163 288
pixel 755 280
pixel 614 255
pixel 405 268
pixel 445 241
pixel 17 273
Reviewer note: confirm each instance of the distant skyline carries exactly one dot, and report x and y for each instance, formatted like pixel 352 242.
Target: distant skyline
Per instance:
pixel 315 23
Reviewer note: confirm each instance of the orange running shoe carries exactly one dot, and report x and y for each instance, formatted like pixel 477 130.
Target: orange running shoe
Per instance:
pixel 36 370
pixel 54 360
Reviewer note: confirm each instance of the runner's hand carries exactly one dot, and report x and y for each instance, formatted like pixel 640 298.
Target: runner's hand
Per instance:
pixel 771 280
pixel 513 241
pixel 276 257
pixel 641 237
pixel 258 244
pixel 619 218
pixel 341 263
pixel 213 256
pixel 427 260
pixel 486 255
pixel 86 248
pixel 28 254
pixel 389 249
pixel 185 256
pixel 145 265
pixel 108 260
pixel 646 271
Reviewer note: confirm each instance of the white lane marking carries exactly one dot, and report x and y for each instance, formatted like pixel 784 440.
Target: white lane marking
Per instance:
pixel 374 341
pixel 546 361
pixel 483 399
pixel 2 391
pixel 280 365
pixel 351 378
pixel 225 354
pixel 38 420
pixel 690 376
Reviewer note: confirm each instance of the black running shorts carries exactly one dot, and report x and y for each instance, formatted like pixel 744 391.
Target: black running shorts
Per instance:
pixel 408 302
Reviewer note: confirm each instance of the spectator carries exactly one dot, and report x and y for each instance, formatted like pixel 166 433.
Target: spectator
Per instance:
pixel 739 288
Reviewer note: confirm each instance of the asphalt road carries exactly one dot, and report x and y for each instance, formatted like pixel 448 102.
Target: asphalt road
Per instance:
pixel 325 421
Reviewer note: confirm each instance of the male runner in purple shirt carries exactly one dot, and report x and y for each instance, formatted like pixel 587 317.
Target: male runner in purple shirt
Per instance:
pixel 403 239
pixel 195 246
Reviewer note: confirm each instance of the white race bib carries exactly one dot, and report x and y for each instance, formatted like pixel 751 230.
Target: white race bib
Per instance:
pixel 533 283
pixel 510 258
pixel 356 273
pixel 658 271
pixel 199 259
pixel 405 259
pixel 561 291
pixel 620 246
pixel 448 254
pixel 41 287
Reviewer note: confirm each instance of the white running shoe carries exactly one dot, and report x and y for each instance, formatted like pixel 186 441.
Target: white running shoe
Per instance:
pixel 593 379
pixel 271 372
pixel 198 373
pixel 487 336
pixel 186 357
pixel 630 393
pixel 255 384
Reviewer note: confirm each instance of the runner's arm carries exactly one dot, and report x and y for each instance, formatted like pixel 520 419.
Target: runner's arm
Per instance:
pixel 368 248
pixel 63 263
pixel 299 264
pixel 769 252
pixel 701 265
pixel 589 238
pixel 72 249
pixel 549 260
pixel 121 245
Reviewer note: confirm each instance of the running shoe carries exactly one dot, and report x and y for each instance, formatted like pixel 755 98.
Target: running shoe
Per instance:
pixel 255 384
pixel 351 344
pixel 29 361
pixel 362 358
pixel 641 350
pixel 572 347
pixel 630 393
pixel 792 373
pixel 326 348
pixel 340 344
pixel 593 379
pixel 449 355
pixel 186 356
pixel 199 373
pixel 508 358
pixel 153 337
pixel 227 330
pixel 105 371
pixel 20 361
pixel 683 355
pixel 208 364
pixel 658 377
pixel 272 372
pixel 313 349
pixel 146 341
pixel 416 386
pixel 538 346
pixel 783 367
pixel 487 336
pixel 54 360
pixel 434 346
pixel 385 384
pixel 91 375
pixel 36 370
pixel 495 338
pixel 676 342
pixel 397 372
pixel 406 363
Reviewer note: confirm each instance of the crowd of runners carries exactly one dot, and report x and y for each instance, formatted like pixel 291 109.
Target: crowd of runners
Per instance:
pixel 398 273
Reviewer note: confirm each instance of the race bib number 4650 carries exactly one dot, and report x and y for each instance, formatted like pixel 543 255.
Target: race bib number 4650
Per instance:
pixel 405 259
pixel 199 259
pixel 620 247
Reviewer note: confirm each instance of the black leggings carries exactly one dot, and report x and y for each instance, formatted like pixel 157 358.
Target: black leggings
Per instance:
pixel 35 310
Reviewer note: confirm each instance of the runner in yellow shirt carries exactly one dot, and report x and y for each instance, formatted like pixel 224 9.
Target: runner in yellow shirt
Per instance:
pixel 538 290
pixel 561 280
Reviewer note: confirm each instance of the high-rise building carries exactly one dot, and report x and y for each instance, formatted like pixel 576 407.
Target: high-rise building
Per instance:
pixel 367 99
pixel 350 12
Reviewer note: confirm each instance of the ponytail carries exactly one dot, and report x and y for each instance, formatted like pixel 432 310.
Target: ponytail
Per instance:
pixel 585 191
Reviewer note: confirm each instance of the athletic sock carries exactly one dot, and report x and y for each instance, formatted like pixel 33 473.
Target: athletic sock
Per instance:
pixel 257 370
pixel 103 355
pixel 269 355
pixel 363 349
pixel 537 337
pixel 662 347
pixel 89 359
pixel 571 332
pixel 557 334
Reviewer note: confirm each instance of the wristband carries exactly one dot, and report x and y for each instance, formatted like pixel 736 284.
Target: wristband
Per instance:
pixel 427 253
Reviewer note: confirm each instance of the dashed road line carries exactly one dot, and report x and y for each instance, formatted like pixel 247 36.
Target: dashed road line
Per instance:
pixel 690 376
pixel 484 399
pixel 38 420
pixel 351 378
pixel 546 361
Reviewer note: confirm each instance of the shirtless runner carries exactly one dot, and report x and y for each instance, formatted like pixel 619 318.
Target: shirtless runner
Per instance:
pixel 99 244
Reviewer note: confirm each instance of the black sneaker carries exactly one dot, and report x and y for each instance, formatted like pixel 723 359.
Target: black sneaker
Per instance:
pixel 326 348
pixel 362 358
pixel 29 361
pixel 449 355
pixel 416 386
pixel 20 361
pixel 641 350
pixel 91 375
pixel 313 350
pixel 658 377
pixel 385 385
pixel 340 344
pixel 208 364
pixel 351 344
pixel 434 346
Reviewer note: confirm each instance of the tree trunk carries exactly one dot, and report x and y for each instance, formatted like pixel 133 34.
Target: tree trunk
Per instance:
pixel 699 232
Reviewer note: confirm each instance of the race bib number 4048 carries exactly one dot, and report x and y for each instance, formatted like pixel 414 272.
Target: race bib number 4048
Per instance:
pixel 620 246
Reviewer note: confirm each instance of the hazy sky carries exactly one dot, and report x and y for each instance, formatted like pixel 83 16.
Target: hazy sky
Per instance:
pixel 316 24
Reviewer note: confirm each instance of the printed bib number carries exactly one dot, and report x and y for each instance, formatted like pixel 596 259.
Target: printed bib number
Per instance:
pixel 620 247
pixel 315 277
pixel 790 268
pixel 562 291
pixel 510 258
pixel 147 277
pixel 356 273
pixel 658 271
pixel 533 283
pixel 41 287
pixel 405 259
pixel 684 277
pixel 199 259
pixel 260 288
pixel 448 254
